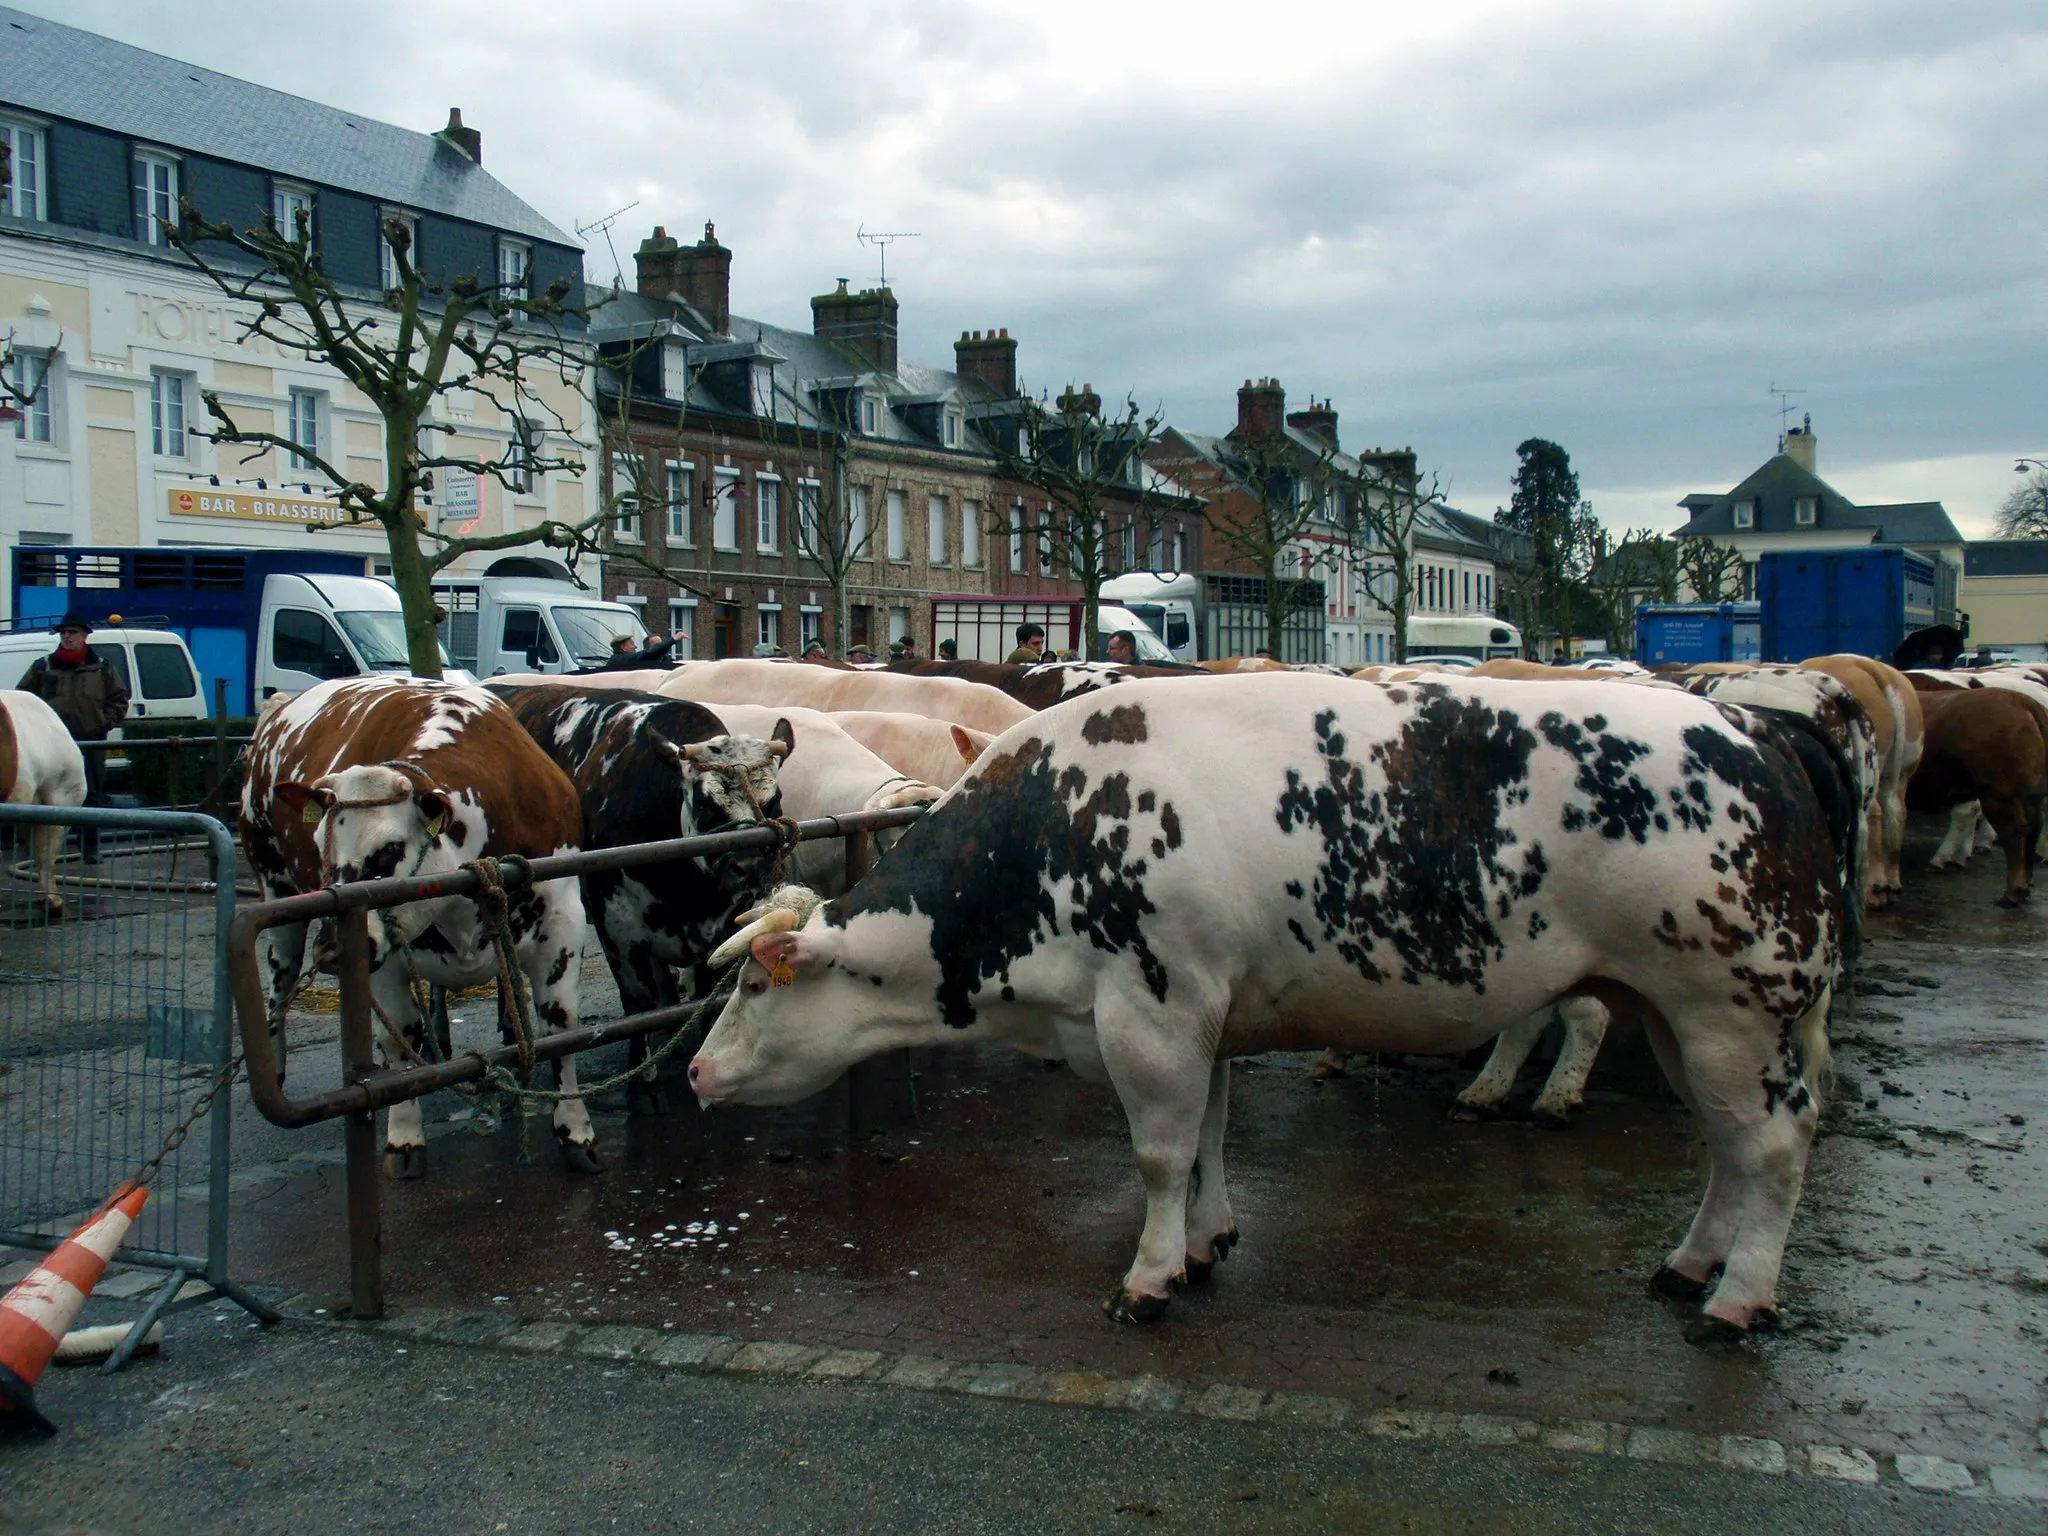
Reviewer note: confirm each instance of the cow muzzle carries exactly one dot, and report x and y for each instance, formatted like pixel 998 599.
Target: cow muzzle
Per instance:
pixel 705 1083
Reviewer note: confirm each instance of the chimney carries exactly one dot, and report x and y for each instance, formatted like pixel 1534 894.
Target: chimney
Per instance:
pixel 863 322
pixel 1394 466
pixel 1799 445
pixel 1261 410
pixel 700 275
pixel 1319 421
pixel 465 141
pixel 991 359
pixel 1081 402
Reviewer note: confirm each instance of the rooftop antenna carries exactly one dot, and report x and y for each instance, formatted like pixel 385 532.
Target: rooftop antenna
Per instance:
pixel 603 227
pixel 881 242
pixel 1784 398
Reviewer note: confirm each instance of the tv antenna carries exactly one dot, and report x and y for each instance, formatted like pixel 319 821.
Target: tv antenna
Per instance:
pixel 881 241
pixel 603 227
pixel 1784 399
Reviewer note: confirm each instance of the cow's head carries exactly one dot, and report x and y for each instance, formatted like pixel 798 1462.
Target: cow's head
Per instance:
pixel 730 780
pixel 812 1000
pixel 376 821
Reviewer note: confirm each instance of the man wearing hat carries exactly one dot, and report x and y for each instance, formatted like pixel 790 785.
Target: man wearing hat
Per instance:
pixel 89 697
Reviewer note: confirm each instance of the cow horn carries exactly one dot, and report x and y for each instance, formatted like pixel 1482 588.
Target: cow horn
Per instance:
pixel 693 752
pixel 788 908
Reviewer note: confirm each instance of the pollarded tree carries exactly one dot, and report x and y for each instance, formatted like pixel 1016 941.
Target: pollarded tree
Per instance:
pixel 1289 525
pixel 1710 569
pixel 1642 566
pixel 522 353
pixel 1385 499
pixel 1089 481
pixel 2024 512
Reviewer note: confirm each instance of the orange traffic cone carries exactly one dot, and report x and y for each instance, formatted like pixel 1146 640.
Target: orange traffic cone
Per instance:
pixel 35 1314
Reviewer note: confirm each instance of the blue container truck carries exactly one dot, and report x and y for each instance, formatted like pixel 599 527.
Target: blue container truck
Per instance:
pixel 1864 602
pixel 1688 634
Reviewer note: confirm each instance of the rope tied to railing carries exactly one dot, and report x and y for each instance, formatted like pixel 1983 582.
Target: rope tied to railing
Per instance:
pixel 494 908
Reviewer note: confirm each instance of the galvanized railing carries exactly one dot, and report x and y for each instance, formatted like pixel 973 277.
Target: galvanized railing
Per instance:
pixel 877 1089
pixel 113 1025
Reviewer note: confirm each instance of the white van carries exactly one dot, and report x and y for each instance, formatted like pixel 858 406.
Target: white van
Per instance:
pixel 154 663
pixel 500 624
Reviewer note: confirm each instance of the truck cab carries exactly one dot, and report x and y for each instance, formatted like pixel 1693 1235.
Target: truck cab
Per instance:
pixel 319 627
pixel 528 623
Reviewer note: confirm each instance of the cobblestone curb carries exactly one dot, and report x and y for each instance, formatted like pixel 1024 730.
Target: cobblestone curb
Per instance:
pixel 664 1349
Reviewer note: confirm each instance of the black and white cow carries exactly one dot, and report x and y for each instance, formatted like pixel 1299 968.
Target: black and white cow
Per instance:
pixel 1413 868
pixel 646 769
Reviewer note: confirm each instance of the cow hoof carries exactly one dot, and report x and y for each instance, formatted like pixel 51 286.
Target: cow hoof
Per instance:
pixel 2008 901
pixel 1474 1111
pixel 581 1156
pixel 644 1099
pixel 1131 1307
pixel 1221 1244
pixel 1669 1284
pixel 1551 1119
pixel 405 1162
pixel 1197 1271
pixel 1714 1334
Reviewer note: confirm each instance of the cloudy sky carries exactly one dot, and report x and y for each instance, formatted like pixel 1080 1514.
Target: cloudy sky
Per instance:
pixel 1467 222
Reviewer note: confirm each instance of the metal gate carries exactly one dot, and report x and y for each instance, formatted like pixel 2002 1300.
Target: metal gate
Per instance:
pixel 114 1022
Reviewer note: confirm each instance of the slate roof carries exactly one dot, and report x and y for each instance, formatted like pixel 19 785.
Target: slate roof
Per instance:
pixel 1780 480
pixel 63 72
pixel 2006 557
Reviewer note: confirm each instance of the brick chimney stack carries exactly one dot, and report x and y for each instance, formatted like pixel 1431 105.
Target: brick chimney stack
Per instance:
pixel 991 359
pixel 1800 445
pixel 865 322
pixel 1396 466
pixel 1261 410
pixel 700 275
pixel 465 141
pixel 1319 421
pixel 1081 402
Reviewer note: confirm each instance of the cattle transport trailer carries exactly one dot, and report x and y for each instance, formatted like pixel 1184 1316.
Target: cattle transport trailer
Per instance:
pixel 1692 633
pixel 1862 601
pixel 264 620
pixel 985 628
pixel 1205 616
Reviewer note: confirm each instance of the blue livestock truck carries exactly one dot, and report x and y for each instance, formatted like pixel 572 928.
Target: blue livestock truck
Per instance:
pixel 1691 633
pixel 1809 602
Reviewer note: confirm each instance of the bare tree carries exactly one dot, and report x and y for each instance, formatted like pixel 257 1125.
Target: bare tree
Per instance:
pixel 1642 566
pixel 1711 569
pixel 1090 480
pixel 1289 498
pixel 24 376
pixel 2024 512
pixel 1385 501
pixel 426 340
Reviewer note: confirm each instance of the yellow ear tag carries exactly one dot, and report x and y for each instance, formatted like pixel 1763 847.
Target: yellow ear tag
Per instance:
pixel 434 827
pixel 311 814
pixel 781 975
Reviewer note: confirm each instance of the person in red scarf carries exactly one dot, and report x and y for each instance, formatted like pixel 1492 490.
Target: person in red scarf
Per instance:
pixel 89 697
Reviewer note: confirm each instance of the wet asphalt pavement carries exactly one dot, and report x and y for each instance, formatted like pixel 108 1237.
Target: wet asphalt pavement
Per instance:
pixel 1390 1256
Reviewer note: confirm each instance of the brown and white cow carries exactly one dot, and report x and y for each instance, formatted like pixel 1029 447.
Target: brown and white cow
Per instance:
pixel 39 765
pixel 1893 706
pixel 1988 745
pixel 365 777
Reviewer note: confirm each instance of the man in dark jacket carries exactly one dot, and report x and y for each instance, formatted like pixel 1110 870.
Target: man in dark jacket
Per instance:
pixel 629 656
pixel 89 697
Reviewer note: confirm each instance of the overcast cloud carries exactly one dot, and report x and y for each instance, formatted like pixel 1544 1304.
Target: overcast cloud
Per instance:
pixel 1467 222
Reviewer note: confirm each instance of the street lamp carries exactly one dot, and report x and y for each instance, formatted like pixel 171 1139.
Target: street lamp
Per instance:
pixel 2026 464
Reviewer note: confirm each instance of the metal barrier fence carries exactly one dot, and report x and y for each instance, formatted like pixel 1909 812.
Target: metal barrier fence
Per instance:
pixel 113 1025
pixel 367 1088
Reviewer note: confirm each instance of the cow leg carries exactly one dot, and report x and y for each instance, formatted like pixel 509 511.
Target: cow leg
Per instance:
pixel 1211 1229
pixel 405 1133
pixel 44 844
pixel 645 983
pixel 2017 827
pixel 550 958
pixel 1877 884
pixel 1330 1063
pixel 1585 1028
pixel 1986 835
pixel 1486 1093
pixel 1165 1086
pixel 1955 848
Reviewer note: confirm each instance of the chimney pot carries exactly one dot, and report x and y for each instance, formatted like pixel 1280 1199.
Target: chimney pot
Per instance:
pixel 465 141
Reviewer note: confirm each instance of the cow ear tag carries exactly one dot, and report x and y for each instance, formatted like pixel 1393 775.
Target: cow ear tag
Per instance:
pixel 312 813
pixel 435 826
pixel 781 975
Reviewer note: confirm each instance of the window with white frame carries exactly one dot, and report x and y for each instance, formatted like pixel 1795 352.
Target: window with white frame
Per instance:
pixel 899 624
pixel 167 414
pixel 809 503
pixel 515 267
pixel 24 197
pixel 682 622
pixel 28 391
pixel 304 427
pixel 725 511
pixel 1017 538
pixel 678 475
pixel 935 529
pixel 810 624
pixel 767 513
pixel 387 256
pixel 1745 514
pixel 769 625
pixel 858 528
pixel 952 429
pixel 1130 547
pixel 870 415
pixel 1045 544
pixel 1180 548
pixel 626 494
pixel 899 539
pixel 287 201
pixel 970 534
pixel 156 195
pixel 519 456
pixel 1806 510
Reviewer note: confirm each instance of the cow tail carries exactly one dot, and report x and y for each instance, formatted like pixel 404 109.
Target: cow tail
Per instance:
pixel 1816 1057
pixel 1832 778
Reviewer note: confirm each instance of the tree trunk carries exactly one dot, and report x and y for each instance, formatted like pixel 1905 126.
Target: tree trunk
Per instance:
pixel 415 585
pixel 1277 604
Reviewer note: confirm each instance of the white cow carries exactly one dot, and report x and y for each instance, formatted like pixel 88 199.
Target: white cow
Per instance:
pixel 40 765
pixel 935 751
pixel 975 705
pixel 1120 884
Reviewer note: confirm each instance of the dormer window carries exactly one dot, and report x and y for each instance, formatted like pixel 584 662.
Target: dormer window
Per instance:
pixel 288 201
pixel 156 195
pixel 23 194
pixel 870 415
pixel 1745 514
pixel 952 429
pixel 515 264
pixel 675 371
pixel 1806 511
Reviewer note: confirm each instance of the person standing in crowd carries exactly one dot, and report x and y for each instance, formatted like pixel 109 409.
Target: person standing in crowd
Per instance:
pixel 949 650
pixel 1030 644
pixel 1123 648
pixel 627 655
pixel 89 697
